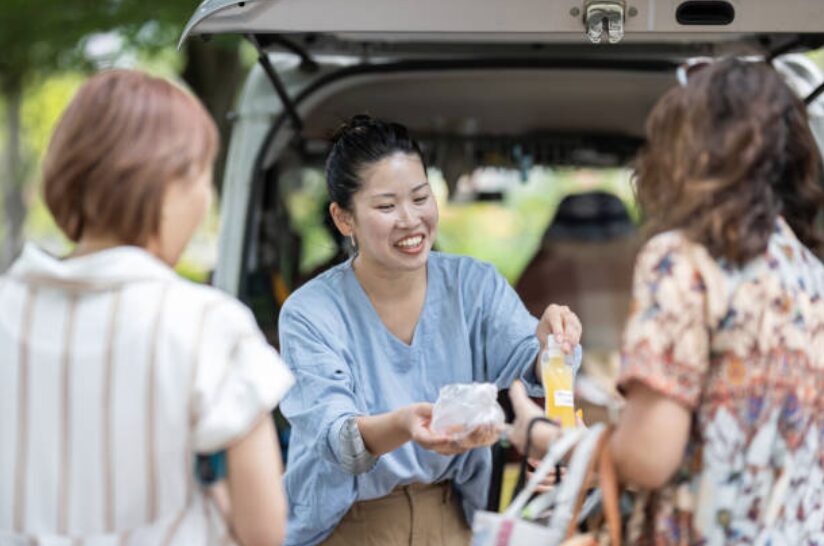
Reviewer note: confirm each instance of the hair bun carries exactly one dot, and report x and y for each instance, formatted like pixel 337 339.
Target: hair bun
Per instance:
pixel 355 122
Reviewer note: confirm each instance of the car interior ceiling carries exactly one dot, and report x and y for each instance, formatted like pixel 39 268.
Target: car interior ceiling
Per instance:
pixel 516 102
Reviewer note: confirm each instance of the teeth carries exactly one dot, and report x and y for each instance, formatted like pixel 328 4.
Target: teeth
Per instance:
pixel 411 242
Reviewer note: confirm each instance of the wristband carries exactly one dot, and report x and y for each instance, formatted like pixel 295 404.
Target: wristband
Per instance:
pixel 519 485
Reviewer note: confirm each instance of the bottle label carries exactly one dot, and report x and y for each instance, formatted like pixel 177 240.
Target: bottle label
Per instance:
pixel 564 399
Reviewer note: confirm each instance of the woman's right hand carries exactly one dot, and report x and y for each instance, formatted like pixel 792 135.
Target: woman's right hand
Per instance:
pixel 418 418
pixel 388 431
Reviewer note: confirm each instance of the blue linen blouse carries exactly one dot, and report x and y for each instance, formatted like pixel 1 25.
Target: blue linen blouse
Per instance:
pixel 473 327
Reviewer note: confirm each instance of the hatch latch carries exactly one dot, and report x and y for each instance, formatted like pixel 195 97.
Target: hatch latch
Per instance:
pixel 604 20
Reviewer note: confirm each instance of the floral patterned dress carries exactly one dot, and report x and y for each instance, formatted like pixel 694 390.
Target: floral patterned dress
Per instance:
pixel 743 349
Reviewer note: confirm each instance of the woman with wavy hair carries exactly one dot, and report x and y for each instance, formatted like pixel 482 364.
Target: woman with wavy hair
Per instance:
pixel 723 368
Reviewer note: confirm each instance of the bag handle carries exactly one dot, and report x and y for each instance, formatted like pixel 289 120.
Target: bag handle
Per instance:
pixel 608 482
pixel 563 497
pixel 556 452
pixel 521 482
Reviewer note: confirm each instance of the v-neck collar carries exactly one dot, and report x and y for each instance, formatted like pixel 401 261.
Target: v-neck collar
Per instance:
pixel 375 317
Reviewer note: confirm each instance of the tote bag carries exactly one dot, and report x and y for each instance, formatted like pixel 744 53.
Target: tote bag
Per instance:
pixel 517 526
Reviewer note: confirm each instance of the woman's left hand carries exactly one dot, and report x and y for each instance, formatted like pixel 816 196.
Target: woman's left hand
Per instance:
pixel 526 410
pixel 561 322
pixel 550 482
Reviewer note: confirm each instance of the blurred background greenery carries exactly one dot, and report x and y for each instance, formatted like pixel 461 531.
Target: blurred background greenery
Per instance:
pixel 48 49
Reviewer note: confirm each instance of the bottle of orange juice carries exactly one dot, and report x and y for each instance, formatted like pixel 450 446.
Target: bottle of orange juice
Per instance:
pixel 557 376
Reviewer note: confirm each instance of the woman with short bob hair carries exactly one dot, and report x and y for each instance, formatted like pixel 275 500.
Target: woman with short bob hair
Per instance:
pixel 116 372
pixel 722 364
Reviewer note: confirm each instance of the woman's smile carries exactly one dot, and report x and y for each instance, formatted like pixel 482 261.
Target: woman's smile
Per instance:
pixel 411 244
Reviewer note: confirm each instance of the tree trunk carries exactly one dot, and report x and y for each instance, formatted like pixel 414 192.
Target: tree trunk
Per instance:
pixel 215 73
pixel 13 202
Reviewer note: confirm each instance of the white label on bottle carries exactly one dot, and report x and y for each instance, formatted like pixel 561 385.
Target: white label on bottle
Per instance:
pixel 563 399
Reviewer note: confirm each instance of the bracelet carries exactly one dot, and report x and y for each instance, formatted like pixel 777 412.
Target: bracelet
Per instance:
pixel 519 485
pixel 530 426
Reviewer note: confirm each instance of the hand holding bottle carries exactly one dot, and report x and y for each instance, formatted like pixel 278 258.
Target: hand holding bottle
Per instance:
pixel 560 322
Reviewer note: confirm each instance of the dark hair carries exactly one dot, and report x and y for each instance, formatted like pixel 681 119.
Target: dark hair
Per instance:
pixel 358 143
pixel 110 175
pixel 725 155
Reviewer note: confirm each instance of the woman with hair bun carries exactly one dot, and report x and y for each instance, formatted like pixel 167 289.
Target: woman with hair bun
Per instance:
pixel 372 341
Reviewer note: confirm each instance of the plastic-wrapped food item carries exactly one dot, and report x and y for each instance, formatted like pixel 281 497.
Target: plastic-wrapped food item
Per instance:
pixel 463 408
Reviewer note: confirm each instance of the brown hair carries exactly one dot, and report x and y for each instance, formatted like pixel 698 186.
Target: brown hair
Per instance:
pixel 725 155
pixel 122 140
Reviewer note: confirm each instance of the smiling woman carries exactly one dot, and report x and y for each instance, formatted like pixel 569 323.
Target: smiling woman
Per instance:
pixel 373 340
pixel 393 217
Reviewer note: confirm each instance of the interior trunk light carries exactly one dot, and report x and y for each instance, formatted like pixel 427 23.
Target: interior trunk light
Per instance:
pixel 604 18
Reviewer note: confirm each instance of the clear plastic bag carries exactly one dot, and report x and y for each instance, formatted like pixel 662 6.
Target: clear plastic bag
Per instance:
pixel 463 408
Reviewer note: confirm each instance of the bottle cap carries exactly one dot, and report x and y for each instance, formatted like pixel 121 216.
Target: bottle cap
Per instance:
pixel 553 348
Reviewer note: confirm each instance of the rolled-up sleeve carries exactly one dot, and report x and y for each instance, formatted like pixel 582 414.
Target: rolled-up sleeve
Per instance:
pixel 354 457
pixel 239 378
pixel 323 398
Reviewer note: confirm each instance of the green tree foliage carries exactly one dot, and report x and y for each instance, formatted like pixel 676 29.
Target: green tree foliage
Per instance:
pixel 40 38
pixel 37 37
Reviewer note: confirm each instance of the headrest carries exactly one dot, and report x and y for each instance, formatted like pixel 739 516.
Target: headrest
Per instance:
pixel 590 216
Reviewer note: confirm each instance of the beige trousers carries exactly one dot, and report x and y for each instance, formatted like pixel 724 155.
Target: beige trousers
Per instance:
pixel 411 515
